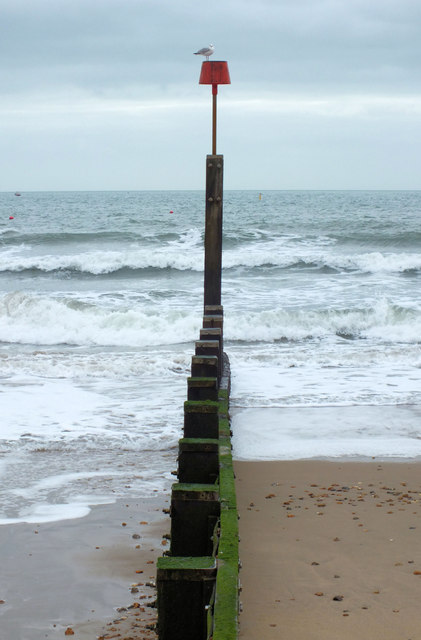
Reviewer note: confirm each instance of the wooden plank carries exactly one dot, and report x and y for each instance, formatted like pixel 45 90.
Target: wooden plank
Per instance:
pixel 213 229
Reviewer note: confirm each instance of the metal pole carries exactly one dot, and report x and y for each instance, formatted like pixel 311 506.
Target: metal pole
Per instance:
pixel 214 94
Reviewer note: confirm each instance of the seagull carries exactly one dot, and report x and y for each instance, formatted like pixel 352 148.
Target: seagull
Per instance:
pixel 206 51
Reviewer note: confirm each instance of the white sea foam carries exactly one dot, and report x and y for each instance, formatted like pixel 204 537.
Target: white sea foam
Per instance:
pixel 61 480
pixel 38 319
pixel 310 383
pixel 87 436
pixel 328 432
pixel 44 408
pixel 39 513
pixel 38 410
pixel 107 365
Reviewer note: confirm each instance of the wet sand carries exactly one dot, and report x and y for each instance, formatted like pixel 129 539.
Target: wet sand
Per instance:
pixel 90 577
pixel 329 550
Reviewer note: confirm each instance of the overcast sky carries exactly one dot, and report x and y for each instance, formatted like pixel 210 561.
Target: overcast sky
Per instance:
pixel 104 94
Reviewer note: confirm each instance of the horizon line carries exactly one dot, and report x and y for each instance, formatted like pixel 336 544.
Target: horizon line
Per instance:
pixel 22 191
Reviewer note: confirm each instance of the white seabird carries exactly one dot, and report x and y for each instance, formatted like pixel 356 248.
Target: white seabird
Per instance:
pixel 206 51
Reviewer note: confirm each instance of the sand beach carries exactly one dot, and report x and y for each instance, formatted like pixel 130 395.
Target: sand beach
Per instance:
pixel 83 578
pixel 329 550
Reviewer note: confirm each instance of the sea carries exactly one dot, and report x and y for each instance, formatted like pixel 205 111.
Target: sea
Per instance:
pixel 101 301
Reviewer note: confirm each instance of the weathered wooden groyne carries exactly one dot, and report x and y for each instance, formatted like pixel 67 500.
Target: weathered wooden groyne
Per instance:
pixel 197 580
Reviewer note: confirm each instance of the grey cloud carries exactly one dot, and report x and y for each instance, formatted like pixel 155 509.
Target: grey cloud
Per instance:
pixel 111 86
pixel 295 45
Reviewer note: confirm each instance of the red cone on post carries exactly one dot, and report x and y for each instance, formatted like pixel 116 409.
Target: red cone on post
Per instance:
pixel 214 72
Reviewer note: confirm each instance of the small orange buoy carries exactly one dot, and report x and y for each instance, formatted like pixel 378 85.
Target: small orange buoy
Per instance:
pixel 11 218
pixel 171 211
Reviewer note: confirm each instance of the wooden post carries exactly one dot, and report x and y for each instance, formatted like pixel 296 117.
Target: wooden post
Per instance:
pixel 202 388
pixel 204 366
pixel 213 322
pixel 198 460
pixel 214 310
pixel 210 348
pixel 201 419
pixel 184 592
pixel 213 229
pixel 195 509
pixel 213 333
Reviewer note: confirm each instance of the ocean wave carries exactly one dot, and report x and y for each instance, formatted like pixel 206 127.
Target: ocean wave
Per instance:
pixel 136 261
pixel 105 262
pixel 6 232
pixel 271 255
pixel 52 239
pixel 182 252
pixel 108 253
pixel 384 238
pixel 41 320
pixel 377 262
pixel 384 321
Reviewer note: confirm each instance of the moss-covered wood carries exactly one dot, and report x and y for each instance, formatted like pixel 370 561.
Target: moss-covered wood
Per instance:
pixel 186 566
pixel 225 619
pixel 206 511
